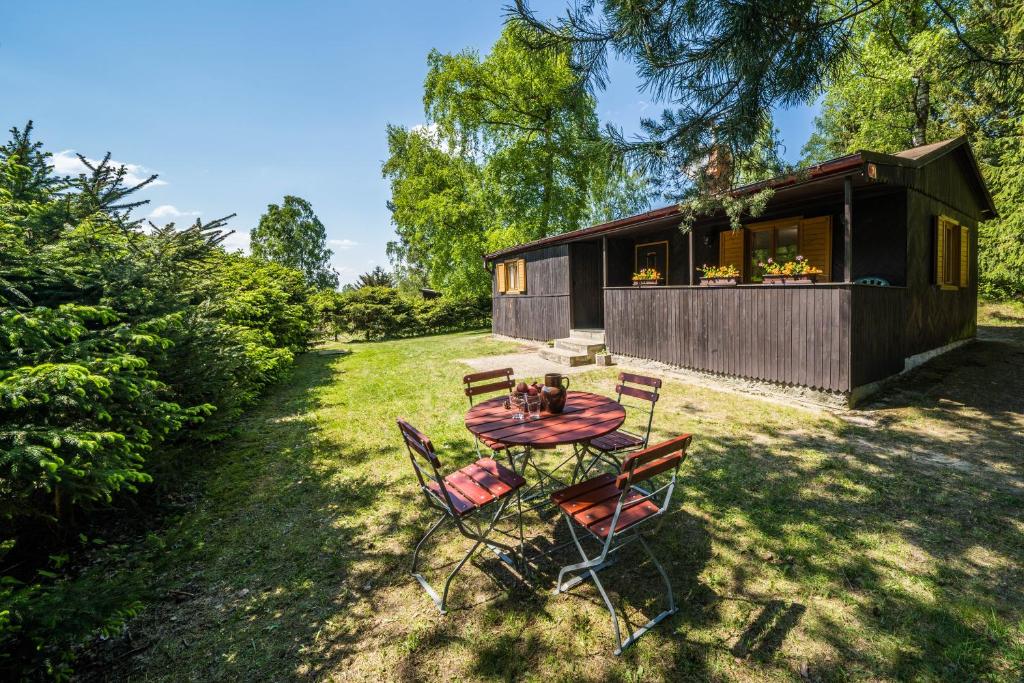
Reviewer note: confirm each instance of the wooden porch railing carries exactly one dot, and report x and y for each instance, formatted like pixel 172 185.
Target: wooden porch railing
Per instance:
pixel 832 336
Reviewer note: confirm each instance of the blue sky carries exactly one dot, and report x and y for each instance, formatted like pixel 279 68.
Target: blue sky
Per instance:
pixel 237 104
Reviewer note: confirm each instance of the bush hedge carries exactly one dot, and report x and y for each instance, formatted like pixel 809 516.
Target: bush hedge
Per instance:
pixel 114 339
pixel 383 313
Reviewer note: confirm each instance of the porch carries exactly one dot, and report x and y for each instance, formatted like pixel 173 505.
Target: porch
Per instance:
pixel 830 337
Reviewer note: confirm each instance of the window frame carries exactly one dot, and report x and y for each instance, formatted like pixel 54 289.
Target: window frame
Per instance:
pixel 951 278
pixel 636 255
pixel 771 226
pixel 512 276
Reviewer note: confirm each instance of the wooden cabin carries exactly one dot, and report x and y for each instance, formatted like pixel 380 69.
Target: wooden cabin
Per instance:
pixel 895 236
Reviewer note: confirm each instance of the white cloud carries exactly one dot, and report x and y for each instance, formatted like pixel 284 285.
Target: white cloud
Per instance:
pixel 341 245
pixel 170 212
pixel 239 239
pixel 66 162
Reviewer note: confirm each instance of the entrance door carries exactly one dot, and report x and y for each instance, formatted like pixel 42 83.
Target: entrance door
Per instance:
pixel 586 285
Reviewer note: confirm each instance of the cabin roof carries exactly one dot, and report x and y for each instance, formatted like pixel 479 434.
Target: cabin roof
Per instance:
pixel 855 163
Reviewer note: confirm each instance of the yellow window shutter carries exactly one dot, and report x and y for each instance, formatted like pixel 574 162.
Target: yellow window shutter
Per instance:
pixel 730 249
pixel 940 250
pixel 816 244
pixel 965 252
pixel 522 276
pixel 499 276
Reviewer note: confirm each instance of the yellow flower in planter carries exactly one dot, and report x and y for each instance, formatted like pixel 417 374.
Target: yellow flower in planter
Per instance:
pixel 710 272
pixel 799 266
pixel 647 274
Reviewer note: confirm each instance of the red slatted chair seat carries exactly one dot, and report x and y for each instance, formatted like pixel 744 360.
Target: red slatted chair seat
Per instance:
pixel 610 500
pixel 591 504
pixel 492 444
pixel 617 440
pixel 478 484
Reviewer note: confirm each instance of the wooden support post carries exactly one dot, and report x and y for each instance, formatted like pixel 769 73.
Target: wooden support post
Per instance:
pixel 848 229
pixel 604 261
pixel 691 256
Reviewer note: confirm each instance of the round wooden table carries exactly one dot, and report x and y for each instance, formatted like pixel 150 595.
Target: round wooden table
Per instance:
pixel 585 417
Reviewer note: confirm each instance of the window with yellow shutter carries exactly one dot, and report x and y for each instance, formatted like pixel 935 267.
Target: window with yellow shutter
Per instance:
pixel 731 249
pixel 500 279
pixel 952 242
pixel 965 256
pixel 784 239
pixel 511 276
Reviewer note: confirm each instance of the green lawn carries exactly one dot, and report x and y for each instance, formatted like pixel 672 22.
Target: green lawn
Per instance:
pixel 802 545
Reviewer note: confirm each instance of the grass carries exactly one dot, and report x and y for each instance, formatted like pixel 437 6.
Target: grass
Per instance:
pixel 886 544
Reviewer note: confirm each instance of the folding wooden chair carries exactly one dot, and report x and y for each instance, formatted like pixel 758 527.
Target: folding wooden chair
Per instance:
pixel 478 491
pixel 477 385
pixel 611 447
pixel 615 511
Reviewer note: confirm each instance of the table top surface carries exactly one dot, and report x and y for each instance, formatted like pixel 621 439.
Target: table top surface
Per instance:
pixel 586 416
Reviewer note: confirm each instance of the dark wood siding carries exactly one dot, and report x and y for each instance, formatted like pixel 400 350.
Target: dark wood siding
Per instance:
pixel 586 284
pixel 543 311
pixel 879 235
pixel 937 317
pixel 878 329
pixel 790 335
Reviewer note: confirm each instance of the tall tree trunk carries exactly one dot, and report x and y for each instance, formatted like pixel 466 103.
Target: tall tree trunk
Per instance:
pixel 922 108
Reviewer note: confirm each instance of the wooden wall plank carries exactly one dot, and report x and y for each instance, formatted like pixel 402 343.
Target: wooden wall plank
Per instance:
pixel 791 335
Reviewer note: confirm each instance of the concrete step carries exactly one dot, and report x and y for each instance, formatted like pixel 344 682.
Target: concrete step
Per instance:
pixel 594 336
pixel 576 345
pixel 563 357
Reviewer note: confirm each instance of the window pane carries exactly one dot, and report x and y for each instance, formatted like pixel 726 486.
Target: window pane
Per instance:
pixel 786 244
pixel 760 251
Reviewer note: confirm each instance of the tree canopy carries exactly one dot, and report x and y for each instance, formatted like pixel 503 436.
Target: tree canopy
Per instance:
pixel 911 81
pixel 292 235
pixel 511 151
pixel 723 66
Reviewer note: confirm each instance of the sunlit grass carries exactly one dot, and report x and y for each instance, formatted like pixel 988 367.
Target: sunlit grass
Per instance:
pixel 801 546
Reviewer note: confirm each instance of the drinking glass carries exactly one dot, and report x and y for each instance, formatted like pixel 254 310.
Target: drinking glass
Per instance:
pixel 518 402
pixel 533 406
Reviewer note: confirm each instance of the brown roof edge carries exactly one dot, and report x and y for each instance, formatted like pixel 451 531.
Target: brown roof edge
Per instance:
pixel 653 214
pixel 916 157
pixel 820 171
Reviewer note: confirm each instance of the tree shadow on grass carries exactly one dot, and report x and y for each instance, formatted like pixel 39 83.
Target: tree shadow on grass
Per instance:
pixel 281 573
pixel 825 524
pixel 243 585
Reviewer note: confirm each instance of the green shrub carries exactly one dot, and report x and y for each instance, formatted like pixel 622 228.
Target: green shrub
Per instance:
pixel 378 313
pixel 449 314
pixel 382 312
pixel 113 339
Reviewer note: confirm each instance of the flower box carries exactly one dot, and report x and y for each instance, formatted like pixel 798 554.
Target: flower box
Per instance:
pixel 647 282
pixel 790 279
pixel 719 281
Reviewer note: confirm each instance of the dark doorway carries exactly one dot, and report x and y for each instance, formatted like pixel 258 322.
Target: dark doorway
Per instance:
pixel 586 285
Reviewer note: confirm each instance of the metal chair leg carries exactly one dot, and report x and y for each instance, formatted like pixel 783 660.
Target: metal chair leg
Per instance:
pixel 593 566
pixel 611 610
pixel 480 537
pixel 434 527
pixel 596 564
pixel 661 570
pixel 660 617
